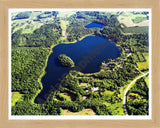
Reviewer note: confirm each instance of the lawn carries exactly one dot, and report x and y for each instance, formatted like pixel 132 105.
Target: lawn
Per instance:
pixel 16 97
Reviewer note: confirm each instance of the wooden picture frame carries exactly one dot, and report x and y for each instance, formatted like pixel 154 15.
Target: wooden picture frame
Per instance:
pixel 5 5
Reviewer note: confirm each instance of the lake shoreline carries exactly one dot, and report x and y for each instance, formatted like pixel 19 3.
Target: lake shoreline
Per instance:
pixel 46 62
pixel 67 42
pixel 42 74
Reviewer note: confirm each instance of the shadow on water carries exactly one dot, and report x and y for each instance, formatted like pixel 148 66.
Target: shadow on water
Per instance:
pixel 80 52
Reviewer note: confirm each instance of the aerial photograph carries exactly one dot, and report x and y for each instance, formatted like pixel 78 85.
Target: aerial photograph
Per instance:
pixel 79 62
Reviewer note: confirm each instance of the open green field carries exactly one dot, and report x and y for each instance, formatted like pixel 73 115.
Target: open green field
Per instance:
pixel 16 97
pixel 129 15
pixel 144 65
pixel 135 30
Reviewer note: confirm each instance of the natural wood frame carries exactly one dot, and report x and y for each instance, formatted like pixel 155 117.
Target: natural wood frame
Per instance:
pixel 4 39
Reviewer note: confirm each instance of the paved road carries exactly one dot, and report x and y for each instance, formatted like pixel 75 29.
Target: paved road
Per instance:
pixel 125 92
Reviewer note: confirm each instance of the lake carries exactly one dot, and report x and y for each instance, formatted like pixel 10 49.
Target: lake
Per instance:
pixel 87 55
pixel 94 25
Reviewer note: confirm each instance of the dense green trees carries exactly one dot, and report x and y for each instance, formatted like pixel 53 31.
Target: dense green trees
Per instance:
pixel 65 60
pixel 29 54
pixel 45 36
pixel 140 104
pixel 27 65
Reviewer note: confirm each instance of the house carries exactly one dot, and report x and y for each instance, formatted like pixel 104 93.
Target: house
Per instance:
pixel 84 97
pixel 127 50
pixel 94 89
pixel 86 90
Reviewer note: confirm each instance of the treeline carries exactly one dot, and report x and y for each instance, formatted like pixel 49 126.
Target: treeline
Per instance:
pixel 77 29
pixel 47 14
pixel 23 15
pixel 45 36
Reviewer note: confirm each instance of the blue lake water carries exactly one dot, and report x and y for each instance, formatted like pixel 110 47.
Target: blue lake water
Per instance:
pixel 94 25
pixel 87 55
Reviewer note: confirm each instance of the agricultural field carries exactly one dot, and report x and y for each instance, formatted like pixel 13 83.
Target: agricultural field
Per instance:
pixel 144 65
pixel 28 22
pixel 131 19
pixel 136 30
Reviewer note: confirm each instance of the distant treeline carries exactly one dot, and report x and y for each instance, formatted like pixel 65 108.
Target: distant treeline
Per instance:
pixel 45 36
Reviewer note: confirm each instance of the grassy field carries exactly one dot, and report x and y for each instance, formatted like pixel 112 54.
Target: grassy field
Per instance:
pixel 129 15
pixel 130 19
pixel 64 27
pixel 16 97
pixel 145 64
pixel 83 112
pixel 30 24
pixel 135 30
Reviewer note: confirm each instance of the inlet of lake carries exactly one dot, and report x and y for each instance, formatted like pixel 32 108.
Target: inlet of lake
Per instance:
pixel 88 54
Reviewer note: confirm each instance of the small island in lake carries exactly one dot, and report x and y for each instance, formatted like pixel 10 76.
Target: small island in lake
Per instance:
pixel 65 61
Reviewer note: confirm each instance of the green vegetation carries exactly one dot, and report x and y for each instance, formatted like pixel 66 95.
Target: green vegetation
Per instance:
pixel 143 66
pixel 30 63
pixel 139 19
pixel 135 30
pixel 83 112
pixel 136 17
pixel 138 98
pixel 16 96
pixel 100 93
pixel 65 61
pixel 147 80
pixel 23 15
pixel 46 36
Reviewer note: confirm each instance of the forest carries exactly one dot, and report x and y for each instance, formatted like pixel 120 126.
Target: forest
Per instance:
pixel 65 60
pixel 100 91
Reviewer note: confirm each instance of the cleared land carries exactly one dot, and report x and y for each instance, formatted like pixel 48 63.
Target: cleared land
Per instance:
pixel 135 30
pixel 64 27
pixel 15 97
pixel 83 112
pixel 144 65
pixel 64 14
pixel 131 20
